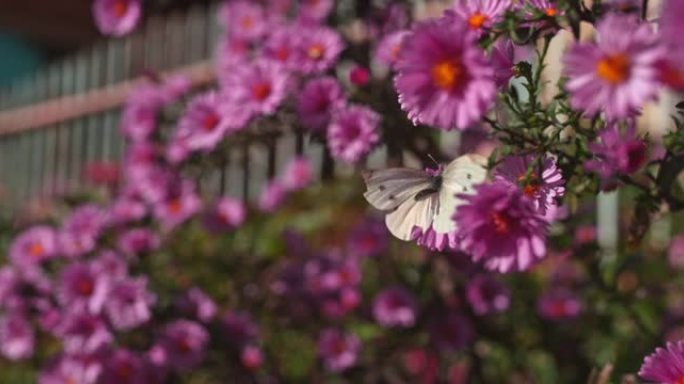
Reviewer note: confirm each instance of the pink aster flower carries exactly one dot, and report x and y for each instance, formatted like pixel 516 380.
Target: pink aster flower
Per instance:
pixel 671 69
pixel 559 303
pixel 231 52
pixel 353 132
pixel 227 214
pixel 297 174
pixel 616 75
pixel 500 227
pixel 395 307
pixel 33 246
pixel 81 229
pixel 129 304
pixel 124 366
pixel 503 54
pixel 116 17
pixel 135 241
pixel 487 295
pixel 243 19
pixel 616 154
pixel 256 88
pixel 81 287
pixel 109 264
pixel 339 351
pixel 282 46
pixel 359 75
pixel 207 120
pixel 368 239
pixel 481 14
pixel 316 102
pixel 318 50
pixel 239 328
pixel 315 10
pixel 126 209
pixel 81 369
pixel 197 304
pixel 546 7
pixel 543 183
pixel 17 338
pixel 83 332
pixel 184 343
pixel 272 196
pixel 443 78
pixel 251 357
pixel 389 48
pixel 665 365
pixel 180 204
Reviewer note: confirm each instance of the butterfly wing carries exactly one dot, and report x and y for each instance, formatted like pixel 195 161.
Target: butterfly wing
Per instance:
pixel 388 188
pixel 410 213
pixel 458 177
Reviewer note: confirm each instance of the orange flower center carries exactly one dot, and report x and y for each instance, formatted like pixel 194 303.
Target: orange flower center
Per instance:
pixel 477 20
pixel 501 222
pixel 614 68
pixel 85 287
pixel 316 51
pixel 395 51
pixel 530 184
pixel 210 122
pixel 446 74
pixel 175 206
pixel 680 380
pixel 550 11
pixel 247 22
pixel 124 371
pixel 36 249
pixel 119 8
pixel 672 76
pixel 184 345
pixel 261 91
pixel 282 54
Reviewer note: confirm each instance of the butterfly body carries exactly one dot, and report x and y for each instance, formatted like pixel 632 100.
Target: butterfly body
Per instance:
pixel 423 199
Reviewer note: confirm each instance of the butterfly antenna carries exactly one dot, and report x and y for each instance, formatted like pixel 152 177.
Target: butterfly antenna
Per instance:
pixel 433 159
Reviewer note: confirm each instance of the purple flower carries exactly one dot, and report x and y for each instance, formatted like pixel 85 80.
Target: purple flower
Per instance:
pixel 315 10
pixel 318 50
pixel 297 174
pixel 540 181
pixel 481 14
pixel 180 204
pixel 451 331
pixel 665 365
pixel 206 122
pixel 503 54
pixel 500 227
pixel 675 255
pixel 617 74
pixel 281 46
pixel 239 328
pixel 185 344
pixel 124 367
pixel 129 303
pixel 251 357
pixel 368 239
pixel 109 264
pixel 272 196
pixel 244 20
pixel 33 246
pixel 138 240
pixel 81 229
pixel 339 351
pixel 546 7
pixel 17 338
pixel 83 332
pixel 359 75
pixel 559 303
pixel 353 132
pixel 394 307
pixel 316 102
pixel 197 304
pixel 616 154
pixel 256 88
pixel 116 17
pixel 390 47
pixel 671 24
pixel 81 369
pixel 227 214
pixel 487 295
pixel 81 287
pixel 443 77
pixel 24 288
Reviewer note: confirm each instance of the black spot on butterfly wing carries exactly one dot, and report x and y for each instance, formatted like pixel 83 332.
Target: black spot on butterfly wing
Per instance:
pixel 435 186
pixel 469 176
pixel 382 187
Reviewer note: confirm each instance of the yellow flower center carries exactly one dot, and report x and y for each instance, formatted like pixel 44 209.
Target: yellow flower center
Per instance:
pixel 316 51
pixel 477 20
pixel 446 74
pixel 614 69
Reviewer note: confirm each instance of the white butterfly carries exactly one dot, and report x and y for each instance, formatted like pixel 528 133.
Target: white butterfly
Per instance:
pixel 413 197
